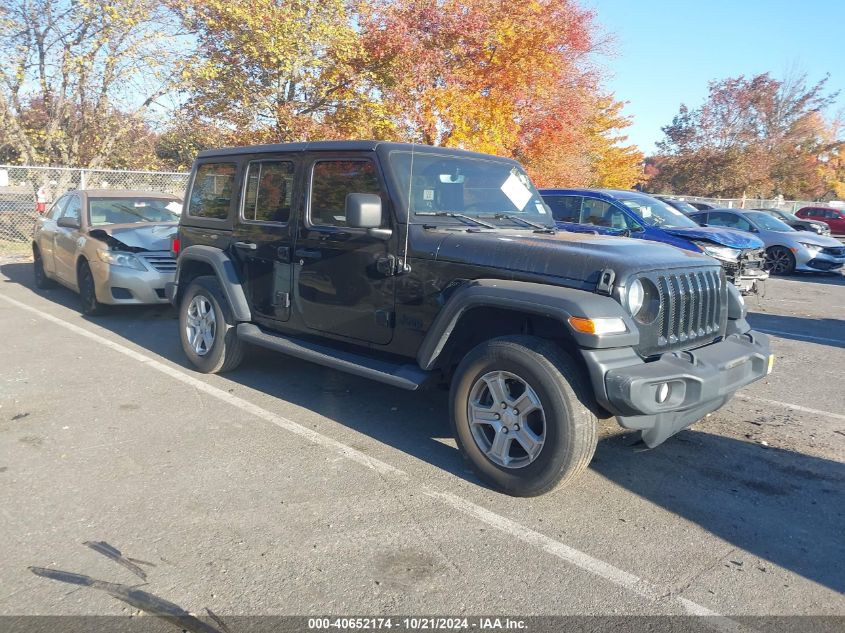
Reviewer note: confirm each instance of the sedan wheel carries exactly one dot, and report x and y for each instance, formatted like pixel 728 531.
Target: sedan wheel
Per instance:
pixel 780 261
pixel 201 325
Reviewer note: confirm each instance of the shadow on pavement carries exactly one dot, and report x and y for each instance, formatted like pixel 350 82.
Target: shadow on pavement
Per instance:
pixel 800 328
pixel 782 506
pixel 827 279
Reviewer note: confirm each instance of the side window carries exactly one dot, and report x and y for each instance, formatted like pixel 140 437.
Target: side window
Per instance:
pixel 601 213
pixel 564 208
pixel 58 208
pixel 331 181
pixel 211 193
pixel 268 191
pixel 729 220
pixel 73 208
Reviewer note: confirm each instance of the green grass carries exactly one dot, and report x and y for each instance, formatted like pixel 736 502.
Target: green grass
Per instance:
pixel 16 249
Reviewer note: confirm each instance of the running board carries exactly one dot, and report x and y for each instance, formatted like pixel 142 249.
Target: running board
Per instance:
pixel 408 377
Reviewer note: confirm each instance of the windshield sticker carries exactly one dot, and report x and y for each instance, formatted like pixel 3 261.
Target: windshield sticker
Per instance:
pixel 175 207
pixel 516 191
pixel 645 211
pixel 428 194
pixel 139 204
pixel 541 208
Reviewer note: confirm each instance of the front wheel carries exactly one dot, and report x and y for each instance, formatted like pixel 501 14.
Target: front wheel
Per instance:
pixel 207 328
pixel 520 415
pixel 87 291
pixel 780 261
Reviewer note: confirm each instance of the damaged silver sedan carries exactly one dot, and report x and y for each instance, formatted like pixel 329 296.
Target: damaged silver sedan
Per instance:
pixel 111 246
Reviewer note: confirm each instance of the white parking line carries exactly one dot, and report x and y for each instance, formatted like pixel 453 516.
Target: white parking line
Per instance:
pixel 561 551
pixel 803 337
pixel 789 405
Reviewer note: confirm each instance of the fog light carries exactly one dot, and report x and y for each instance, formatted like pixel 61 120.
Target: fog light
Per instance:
pixel 663 392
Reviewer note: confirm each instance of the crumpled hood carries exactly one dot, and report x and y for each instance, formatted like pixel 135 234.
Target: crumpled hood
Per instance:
pixel 146 237
pixel 724 237
pixel 576 256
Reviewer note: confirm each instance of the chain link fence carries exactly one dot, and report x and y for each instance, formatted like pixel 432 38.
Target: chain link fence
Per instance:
pixel 761 203
pixel 27 192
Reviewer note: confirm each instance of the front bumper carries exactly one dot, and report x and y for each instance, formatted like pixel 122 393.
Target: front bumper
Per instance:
pixel 807 261
pixel 118 285
pixel 699 381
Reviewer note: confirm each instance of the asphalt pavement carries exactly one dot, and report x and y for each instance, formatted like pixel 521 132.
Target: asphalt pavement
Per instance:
pixel 284 488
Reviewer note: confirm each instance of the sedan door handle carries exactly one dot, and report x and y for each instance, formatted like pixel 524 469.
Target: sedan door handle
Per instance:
pixel 308 253
pixel 248 246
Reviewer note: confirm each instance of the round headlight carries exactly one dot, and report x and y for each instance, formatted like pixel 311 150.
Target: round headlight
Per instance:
pixel 636 294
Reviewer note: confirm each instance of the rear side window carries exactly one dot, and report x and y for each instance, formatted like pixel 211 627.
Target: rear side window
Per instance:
pixel 331 181
pixel 267 195
pixel 564 208
pixel 211 193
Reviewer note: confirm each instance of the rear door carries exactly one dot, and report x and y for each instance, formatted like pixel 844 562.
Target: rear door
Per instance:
pixel 344 282
pixel 566 209
pixel 836 221
pixel 64 252
pixel 263 235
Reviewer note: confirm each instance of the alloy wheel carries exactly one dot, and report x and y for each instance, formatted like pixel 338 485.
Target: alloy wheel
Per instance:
pixel 200 325
pixel 507 419
pixel 778 261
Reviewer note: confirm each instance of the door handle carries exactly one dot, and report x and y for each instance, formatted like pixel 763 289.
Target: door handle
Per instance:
pixel 309 253
pixel 247 246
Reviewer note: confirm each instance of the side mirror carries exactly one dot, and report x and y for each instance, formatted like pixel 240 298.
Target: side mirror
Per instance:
pixel 68 223
pixel 363 211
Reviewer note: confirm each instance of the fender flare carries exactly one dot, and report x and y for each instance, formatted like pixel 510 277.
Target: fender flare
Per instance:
pixel 555 302
pixel 226 273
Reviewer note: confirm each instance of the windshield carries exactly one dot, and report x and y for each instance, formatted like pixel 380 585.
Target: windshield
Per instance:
pixel 654 212
pixel 767 222
pixel 103 211
pixel 475 187
pixel 681 205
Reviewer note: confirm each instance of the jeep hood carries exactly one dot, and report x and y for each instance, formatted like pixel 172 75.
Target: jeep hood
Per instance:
pixel 575 256
pixel 136 237
pixel 722 237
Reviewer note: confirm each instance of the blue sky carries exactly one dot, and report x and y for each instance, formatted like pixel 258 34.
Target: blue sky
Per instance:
pixel 664 53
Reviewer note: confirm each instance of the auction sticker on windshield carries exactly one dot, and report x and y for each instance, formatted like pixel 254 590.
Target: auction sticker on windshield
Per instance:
pixel 516 192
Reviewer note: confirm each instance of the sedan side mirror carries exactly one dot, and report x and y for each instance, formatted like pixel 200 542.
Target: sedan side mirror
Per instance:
pixel 363 211
pixel 68 223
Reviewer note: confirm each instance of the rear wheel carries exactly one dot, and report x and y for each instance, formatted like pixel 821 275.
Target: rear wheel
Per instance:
pixel 520 415
pixel 87 291
pixel 780 261
pixel 207 328
pixel 41 279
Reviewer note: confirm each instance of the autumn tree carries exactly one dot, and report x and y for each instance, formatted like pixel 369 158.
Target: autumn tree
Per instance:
pixel 754 136
pixel 277 71
pixel 80 78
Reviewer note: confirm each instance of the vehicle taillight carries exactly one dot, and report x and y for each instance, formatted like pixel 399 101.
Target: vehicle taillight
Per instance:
pixel 175 245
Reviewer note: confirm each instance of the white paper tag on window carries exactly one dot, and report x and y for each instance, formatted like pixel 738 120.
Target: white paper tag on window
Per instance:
pixel 541 208
pixel 428 194
pixel 175 207
pixel 516 192
pixel 646 212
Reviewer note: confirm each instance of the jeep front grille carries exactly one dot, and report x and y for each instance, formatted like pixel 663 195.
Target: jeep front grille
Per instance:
pixel 693 311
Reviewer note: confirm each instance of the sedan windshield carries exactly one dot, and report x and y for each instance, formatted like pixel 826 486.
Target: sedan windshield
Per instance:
pixel 453 187
pixel 103 211
pixel 654 212
pixel 682 205
pixel 767 222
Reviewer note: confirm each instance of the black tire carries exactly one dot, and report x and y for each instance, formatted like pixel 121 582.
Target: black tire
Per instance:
pixel 570 426
pixel 87 292
pixel 42 281
pixel 226 350
pixel 780 261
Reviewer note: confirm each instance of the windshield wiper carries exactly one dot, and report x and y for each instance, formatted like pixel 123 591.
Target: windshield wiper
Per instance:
pixel 452 214
pixel 515 218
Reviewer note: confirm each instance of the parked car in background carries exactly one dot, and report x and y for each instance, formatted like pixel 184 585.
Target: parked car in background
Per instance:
pixel 834 218
pixel 787 250
pixel 111 246
pixel 680 204
pixel 637 215
pixel 819 228
pixel 702 206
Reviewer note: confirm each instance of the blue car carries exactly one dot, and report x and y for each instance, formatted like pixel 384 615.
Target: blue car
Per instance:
pixel 636 215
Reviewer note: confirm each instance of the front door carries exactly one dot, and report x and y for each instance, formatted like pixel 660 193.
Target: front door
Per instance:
pixel 64 251
pixel 343 276
pixel 263 236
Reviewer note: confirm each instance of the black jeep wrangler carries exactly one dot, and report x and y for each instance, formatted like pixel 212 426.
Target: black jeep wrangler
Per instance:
pixel 417 266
